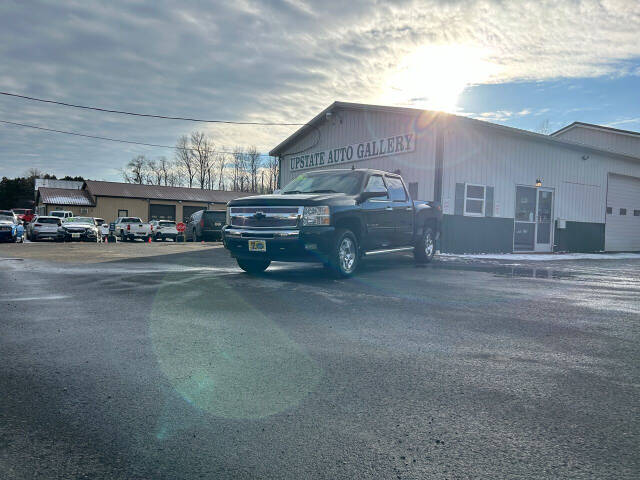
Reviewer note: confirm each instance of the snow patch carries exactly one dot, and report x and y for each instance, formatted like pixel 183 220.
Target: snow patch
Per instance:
pixel 537 257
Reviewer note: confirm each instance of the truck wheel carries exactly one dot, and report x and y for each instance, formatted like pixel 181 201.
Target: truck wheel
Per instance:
pixel 425 246
pixel 344 257
pixel 253 266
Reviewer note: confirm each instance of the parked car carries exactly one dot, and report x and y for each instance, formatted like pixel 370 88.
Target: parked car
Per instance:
pixel 44 227
pixel 205 225
pixel 11 228
pixel 163 229
pixel 130 228
pixel 61 213
pixel 332 216
pixel 25 215
pixel 82 229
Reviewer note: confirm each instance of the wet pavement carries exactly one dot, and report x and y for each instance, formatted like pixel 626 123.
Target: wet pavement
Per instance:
pixel 178 365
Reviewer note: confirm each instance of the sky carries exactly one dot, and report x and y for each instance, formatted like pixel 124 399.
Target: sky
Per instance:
pixel 537 65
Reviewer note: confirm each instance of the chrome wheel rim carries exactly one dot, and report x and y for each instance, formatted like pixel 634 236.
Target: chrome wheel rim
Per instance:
pixel 428 245
pixel 347 254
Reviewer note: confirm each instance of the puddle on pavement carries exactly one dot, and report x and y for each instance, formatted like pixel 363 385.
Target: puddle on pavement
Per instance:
pixel 511 271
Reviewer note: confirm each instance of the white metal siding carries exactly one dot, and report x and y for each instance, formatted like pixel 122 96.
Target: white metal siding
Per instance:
pixel 622 232
pixel 616 142
pixel 482 155
pixel 362 126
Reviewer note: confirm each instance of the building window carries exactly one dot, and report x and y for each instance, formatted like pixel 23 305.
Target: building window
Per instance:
pixel 623 211
pixel 609 211
pixel 123 213
pixel 84 210
pixel 636 213
pixel 474 200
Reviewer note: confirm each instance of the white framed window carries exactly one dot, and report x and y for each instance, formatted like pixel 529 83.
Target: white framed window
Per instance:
pixel 475 199
pixel 84 210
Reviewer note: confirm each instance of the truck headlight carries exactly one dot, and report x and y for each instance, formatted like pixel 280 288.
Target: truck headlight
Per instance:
pixel 316 216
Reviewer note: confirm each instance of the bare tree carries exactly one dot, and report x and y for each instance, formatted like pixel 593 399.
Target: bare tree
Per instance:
pixel 33 172
pixel 221 163
pixel 272 169
pixel 202 152
pixel 154 172
pixel 135 171
pixel 185 159
pixel 240 178
pixel 165 168
pixel 253 164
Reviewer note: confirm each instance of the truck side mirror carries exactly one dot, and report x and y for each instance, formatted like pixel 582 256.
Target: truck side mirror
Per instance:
pixel 364 196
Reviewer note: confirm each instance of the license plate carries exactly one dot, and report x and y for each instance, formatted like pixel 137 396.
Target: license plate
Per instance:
pixel 257 246
pixel 75 235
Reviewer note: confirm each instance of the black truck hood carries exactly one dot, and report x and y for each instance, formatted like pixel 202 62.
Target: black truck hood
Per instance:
pixel 300 199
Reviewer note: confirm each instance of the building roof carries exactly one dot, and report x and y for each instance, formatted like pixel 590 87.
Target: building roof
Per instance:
pixel 160 192
pixel 312 125
pixel 596 127
pixel 65 196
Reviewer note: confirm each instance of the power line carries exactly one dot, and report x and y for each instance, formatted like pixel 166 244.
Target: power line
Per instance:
pixel 136 114
pixel 109 139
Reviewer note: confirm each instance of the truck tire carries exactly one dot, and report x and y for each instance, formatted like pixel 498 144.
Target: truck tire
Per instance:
pixel 344 257
pixel 253 266
pixel 425 246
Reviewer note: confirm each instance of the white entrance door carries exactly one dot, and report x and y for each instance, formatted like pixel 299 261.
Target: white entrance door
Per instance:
pixel 533 227
pixel 622 227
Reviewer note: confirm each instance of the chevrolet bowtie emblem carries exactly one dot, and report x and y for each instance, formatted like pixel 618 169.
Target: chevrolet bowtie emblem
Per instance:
pixel 259 215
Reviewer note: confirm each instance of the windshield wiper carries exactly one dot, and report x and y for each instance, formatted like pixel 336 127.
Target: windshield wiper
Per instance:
pixel 293 191
pixel 323 191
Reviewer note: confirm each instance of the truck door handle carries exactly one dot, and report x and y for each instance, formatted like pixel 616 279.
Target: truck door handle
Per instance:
pixel 389 209
pixel 409 209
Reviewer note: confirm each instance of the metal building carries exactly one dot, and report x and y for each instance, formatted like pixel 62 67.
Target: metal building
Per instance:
pixel 502 189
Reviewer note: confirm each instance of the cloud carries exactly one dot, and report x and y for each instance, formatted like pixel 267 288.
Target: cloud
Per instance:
pixel 273 60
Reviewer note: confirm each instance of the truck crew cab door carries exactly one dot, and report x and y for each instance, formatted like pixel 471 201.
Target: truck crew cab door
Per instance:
pixel 402 207
pixel 378 215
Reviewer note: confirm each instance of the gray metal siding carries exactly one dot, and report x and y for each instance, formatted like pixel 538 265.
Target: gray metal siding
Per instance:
pixel 361 126
pixel 614 141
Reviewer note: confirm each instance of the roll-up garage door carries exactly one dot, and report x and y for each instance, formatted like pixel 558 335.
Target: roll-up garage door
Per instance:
pixel 162 212
pixel 187 211
pixel 622 230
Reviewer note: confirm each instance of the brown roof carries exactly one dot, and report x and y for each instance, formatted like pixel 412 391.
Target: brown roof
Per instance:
pixel 65 196
pixel 159 192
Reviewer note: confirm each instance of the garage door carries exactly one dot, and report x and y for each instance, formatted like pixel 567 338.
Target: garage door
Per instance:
pixel 162 212
pixel 187 211
pixel 622 231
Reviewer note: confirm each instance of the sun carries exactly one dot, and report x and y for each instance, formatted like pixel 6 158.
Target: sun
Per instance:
pixel 434 76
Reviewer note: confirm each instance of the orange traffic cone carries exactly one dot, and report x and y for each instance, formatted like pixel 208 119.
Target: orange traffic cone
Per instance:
pixel 148 239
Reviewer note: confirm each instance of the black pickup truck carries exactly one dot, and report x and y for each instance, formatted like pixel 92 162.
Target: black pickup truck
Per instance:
pixel 331 216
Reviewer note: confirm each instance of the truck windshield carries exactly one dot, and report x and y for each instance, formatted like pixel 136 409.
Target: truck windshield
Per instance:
pixel 325 182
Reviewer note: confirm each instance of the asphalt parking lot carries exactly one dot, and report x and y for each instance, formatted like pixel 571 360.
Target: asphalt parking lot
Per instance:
pixel 165 361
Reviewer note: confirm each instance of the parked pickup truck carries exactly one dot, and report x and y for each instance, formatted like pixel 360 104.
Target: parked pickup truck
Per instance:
pixel 130 228
pixel 335 217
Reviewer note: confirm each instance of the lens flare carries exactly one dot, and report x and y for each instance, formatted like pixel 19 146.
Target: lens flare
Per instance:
pixel 225 357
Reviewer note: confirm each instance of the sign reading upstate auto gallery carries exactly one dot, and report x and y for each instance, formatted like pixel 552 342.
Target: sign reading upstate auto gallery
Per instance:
pixel 353 153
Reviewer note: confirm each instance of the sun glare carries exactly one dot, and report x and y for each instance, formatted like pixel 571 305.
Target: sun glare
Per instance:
pixel 433 77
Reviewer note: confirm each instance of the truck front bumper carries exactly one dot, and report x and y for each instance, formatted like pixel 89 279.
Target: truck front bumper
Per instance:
pixel 311 244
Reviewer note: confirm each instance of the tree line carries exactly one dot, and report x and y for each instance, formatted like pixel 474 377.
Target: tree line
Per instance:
pixel 198 164
pixel 19 192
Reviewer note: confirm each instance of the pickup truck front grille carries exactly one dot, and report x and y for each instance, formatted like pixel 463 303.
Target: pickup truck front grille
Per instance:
pixel 265 217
